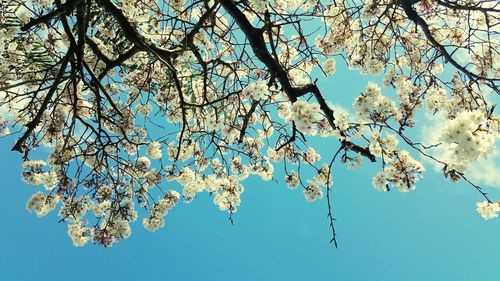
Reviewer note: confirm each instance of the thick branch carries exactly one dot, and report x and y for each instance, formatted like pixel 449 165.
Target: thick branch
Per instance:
pixel 256 40
pixel 119 60
pixel 64 8
pixel 413 16
pixel 131 33
pixel 82 30
pixel 34 123
pixel 188 40
pixel 95 49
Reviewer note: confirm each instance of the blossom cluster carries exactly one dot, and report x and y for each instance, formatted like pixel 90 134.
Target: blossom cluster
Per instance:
pixel 305 115
pixel 329 66
pixel 488 210
pixel 400 169
pixel 467 138
pixel 160 210
pixel 4 127
pixel 154 150
pixel 256 90
pixel 373 106
pixel 34 174
pixel 42 204
pixel 259 6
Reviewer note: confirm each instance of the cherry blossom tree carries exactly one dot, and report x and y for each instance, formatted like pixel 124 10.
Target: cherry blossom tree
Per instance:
pixel 128 97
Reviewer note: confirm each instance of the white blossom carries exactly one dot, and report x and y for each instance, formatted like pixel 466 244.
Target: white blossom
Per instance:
pixel 78 233
pixel 154 150
pixel 313 192
pixel 488 210
pixel 329 66
pixel 305 115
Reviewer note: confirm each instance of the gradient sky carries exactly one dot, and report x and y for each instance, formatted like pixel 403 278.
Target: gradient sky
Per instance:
pixel 432 233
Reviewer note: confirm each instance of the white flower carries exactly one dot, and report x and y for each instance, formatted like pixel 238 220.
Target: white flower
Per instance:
pixel 313 192
pixel 305 115
pixel 42 204
pixel 32 172
pixel 102 208
pixel 79 234
pixel 372 105
pixel 256 90
pixel 153 223
pixel 227 197
pixel 467 139
pixel 324 176
pixel 119 228
pixel 329 66
pixel 50 180
pixel 44 3
pixel 259 6
pixel 160 210
pixel 144 109
pixel 34 164
pixel 4 126
pixel 143 163
pixel 177 5
pixel 311 156
pixel 356 162
pixel 435 99
pixel 379 181
pixel 488 210
pixel 154 150
pixel 292 180
pixel 404 171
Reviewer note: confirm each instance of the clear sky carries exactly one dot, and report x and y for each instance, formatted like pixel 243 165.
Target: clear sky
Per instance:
pixel 432 233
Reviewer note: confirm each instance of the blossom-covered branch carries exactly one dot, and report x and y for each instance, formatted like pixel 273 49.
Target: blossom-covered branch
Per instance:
pixel 145 104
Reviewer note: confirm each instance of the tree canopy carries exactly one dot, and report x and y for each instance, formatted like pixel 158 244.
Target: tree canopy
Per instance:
pixel 128 97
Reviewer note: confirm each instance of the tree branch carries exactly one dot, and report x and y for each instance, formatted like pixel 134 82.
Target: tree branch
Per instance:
pixel 18 146
pixel 413 16
pixel 256 40
pixel 247 119
pixel 64 8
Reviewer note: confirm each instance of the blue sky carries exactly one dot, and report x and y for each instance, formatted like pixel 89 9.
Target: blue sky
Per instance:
pixel 432 233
